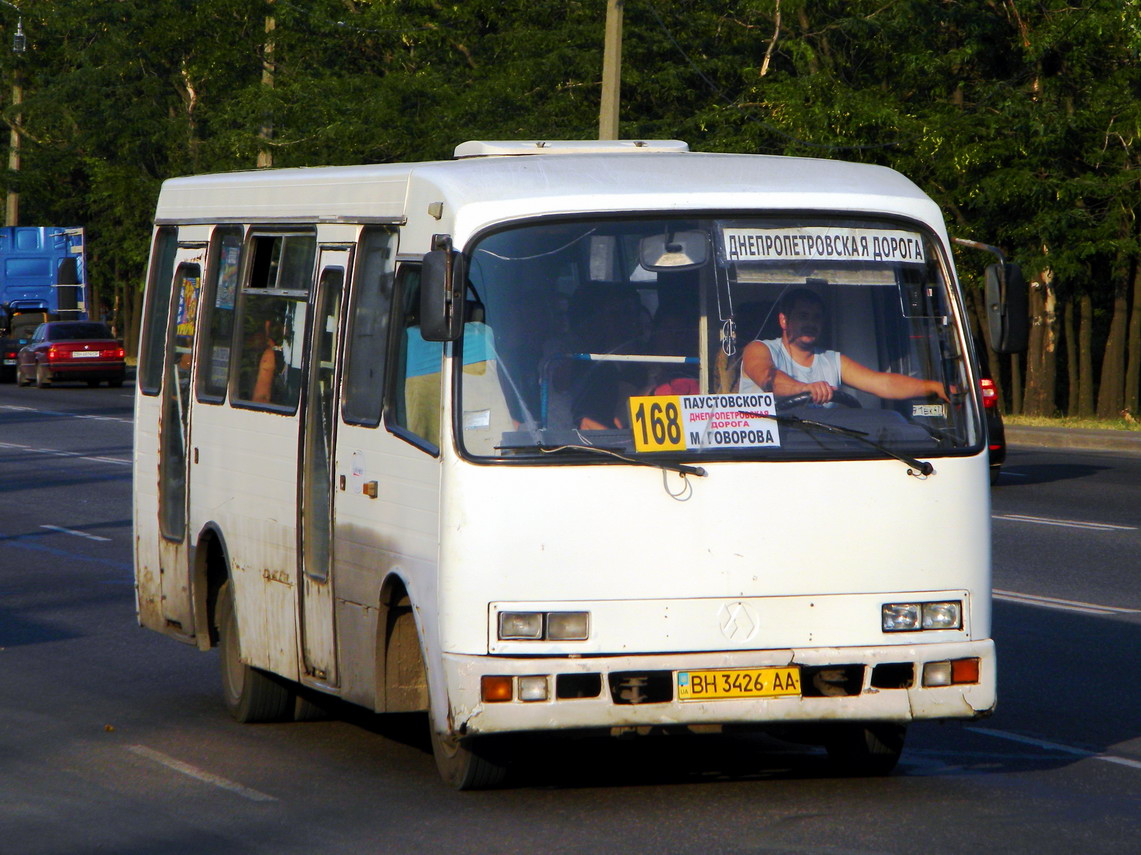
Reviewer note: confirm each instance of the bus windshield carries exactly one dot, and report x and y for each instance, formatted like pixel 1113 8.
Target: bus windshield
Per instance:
pixel 675 338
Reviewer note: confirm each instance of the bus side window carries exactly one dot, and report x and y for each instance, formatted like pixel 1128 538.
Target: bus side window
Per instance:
pixel 269 365
pixel 272 311
pixel 152 348
pixel 415 397
pixel 218 322
pixel 365 356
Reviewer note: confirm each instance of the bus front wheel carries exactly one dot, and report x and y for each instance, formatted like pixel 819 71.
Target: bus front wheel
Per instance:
pixel 475 763
pixel 865 749
pixel 251 695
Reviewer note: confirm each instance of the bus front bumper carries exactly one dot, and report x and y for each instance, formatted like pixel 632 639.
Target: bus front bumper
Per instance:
pixel 833 685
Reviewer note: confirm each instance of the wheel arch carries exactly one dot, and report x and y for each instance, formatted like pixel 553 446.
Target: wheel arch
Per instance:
pixel 401 674
pixel 211 570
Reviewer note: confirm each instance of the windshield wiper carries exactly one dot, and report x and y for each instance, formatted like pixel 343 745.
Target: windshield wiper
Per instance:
pixel 637 461
pixel 811 426
pixel 954 439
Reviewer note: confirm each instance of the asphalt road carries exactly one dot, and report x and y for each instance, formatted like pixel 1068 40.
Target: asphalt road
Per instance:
pixel 114 739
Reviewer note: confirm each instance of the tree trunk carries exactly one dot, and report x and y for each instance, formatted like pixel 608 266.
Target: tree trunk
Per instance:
pixel 1041 358
pixel 1069 334
pixel 1133 366
pixel 1111 389
pixel 134 315
pixel 1085 357
pixel 1015 384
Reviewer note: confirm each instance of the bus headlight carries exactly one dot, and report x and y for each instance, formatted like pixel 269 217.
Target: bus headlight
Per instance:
pixel 521 625
pixel 540 626
pixel 911 617
pixel 943 615
pixel 568 626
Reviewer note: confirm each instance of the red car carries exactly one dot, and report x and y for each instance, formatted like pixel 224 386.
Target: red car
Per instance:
pixel 71 350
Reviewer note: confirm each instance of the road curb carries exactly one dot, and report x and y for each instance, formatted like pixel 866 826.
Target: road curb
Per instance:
pixel 1095 440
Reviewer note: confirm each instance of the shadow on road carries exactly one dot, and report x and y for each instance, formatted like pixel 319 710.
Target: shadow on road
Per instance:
pixel 1029 474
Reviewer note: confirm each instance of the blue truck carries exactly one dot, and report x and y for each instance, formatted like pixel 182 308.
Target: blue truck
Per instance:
pixel 43 277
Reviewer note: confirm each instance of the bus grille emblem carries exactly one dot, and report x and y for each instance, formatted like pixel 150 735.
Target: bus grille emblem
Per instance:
pixel 738 621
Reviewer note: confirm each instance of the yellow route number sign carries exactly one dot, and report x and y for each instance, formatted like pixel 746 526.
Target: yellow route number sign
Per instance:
pixel 694 422
pixel 657 423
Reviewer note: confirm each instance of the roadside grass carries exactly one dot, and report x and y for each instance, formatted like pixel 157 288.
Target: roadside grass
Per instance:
pixel 1129 423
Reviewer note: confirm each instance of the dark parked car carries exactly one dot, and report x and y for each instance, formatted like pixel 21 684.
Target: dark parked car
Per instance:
pixel 995 430
pixel 16 327
pixel 71 350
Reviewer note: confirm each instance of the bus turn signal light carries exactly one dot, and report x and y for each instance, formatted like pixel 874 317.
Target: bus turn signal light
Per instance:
pixel 965 671
pixel 495 690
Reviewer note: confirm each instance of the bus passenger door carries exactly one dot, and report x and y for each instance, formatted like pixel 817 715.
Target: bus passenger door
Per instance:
pixel 174 438
pixel 315 483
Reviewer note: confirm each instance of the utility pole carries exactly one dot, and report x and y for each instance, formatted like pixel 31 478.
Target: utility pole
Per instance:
pixel 12 198
pixel 268 67
pixel 12 201
pixel 611 71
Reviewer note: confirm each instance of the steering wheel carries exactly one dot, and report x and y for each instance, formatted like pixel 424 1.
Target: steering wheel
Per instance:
pixel 800 399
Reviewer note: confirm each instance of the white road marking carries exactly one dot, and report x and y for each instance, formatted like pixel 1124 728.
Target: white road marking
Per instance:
pixel 63 530
pixel 199 774
pixel 64 415
pixel 1092 526
pixel 1055 746
pixel 1064 605
pixel 55 452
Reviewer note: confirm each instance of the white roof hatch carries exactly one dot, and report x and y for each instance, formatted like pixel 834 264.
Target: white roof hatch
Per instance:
pixel 487 148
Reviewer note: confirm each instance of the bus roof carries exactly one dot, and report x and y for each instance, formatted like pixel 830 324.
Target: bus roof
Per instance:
pixel 496 181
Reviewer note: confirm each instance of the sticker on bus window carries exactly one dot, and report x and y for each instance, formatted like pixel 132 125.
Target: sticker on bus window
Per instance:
pixel 701 422
pixel 823 243
pixel 933 411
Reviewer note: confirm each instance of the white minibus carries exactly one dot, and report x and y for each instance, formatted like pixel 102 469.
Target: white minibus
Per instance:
pixel 570 436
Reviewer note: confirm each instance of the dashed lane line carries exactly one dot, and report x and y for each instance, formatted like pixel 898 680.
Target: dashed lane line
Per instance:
pixel 1057 746
pixel 199 774
pixel 1077 606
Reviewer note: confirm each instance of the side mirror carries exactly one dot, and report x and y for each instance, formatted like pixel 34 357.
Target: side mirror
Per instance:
pixel 442 292
pixel 1007 307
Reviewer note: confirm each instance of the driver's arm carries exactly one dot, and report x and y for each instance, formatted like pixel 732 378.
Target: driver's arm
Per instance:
pixel 820 390
pixel 757 362
pixel 885 384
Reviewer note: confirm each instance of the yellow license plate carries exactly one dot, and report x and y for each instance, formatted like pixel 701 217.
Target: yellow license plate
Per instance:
pixel 738 683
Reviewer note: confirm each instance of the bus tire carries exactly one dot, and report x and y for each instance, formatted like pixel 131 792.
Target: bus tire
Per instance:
pixel 251 695
pixel 307 705
pixel 866 749
pixel 475 763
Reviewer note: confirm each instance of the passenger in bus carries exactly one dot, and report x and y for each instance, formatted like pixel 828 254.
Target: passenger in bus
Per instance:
pixel 794 363
pixel 674 333
pixel 604 320
pixel 267 368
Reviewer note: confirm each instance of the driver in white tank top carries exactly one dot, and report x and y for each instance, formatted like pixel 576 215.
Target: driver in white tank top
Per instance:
pixel 792 364
pixel 825 367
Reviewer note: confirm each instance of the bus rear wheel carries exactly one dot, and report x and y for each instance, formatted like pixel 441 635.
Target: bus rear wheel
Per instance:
pixel 865 749
pixel 475 763
pixel 251 695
